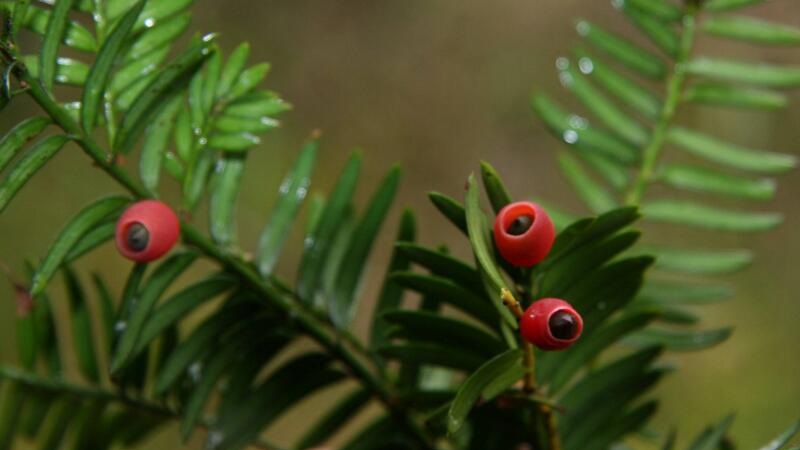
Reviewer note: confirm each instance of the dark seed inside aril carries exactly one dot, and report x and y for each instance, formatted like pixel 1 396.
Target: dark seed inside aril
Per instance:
pixel 137 237
pixel 562 325
pixel 520 225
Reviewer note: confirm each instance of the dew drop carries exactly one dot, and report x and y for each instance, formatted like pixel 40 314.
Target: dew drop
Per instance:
pixel 583 28
pixel 215 438
pixel 578 122
pixel 586 65
pixel 570 136
pixel 120 326
pixel 618 4
pixel 562 63
pixel 269 121
pixel 284 189
pixel 565 79
pixel 196 371
pixel 202 141
pixel 308 242
pixel 301 192
pixel 149 22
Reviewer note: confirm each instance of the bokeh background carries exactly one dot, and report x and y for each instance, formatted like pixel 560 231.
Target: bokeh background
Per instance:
pixel 437 86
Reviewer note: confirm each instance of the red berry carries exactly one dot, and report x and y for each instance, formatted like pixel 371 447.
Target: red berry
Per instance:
pixel 147 230
pixel 523 233
pixel 551 324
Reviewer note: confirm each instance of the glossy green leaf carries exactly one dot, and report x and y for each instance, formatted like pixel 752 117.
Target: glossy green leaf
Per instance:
pixel 26 333
pixel 783 439
pixel 233 68
pixel 72 232
pixel 678 340
pixel 576 131
pixel 621 87
pixel 196 177
pixel 152 290
pixel 174 166
pixel 446 291
pixel 169 81
pixel 345 234
pixel 156 12
pixel 679 292
pixel 292 192
pixel 232 350
pixel 600 105
pixel 279 392
pixel 180 305
pixel 261 105
pixel 495 189
pixel 575 267
pixel 228 125
pixel 335 419
pixel 752 30
pixel 233 142
pixel 433 355
pixel 626 423
pixel 699 261
pixel 712 438
pixel 137 73
pixel 700 179
pixel 470 391
pixel 451 209
pixel 726 5
pixel 75 35
pixel 482 249
pixel 735 96
pixel 589 230
pixel 318 245
pixel 721 152
pixel 68 71
pixel 702 216
pixel 81 322
pixel 212 74
pixel 745 72
pixel 631 55
pixel 107 308
pixel 103 63
pixel 660 9
pixel 419 326
pixel 247 80
pixel 155 145
pixel 94 238
pixel 562 368
pixel 157 37
pixel 342 303
pixel 586 392
pixel 222 207
pixel 441 264
pixel 16 138
pixel 197 111
pixel 660 33
pixel 198 342
pixel 56 28
pixel 391 293
pixel 596 197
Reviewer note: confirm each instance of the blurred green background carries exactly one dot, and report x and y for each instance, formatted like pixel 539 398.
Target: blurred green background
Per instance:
pixel 438 86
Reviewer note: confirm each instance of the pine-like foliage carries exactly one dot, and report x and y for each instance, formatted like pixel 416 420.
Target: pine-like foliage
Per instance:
pixel 220 352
